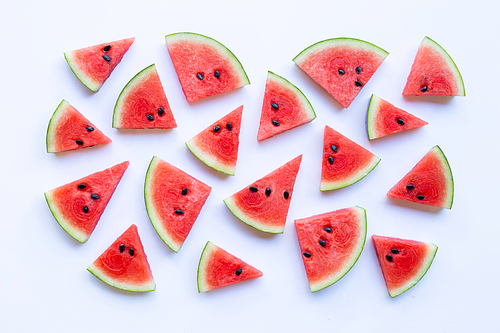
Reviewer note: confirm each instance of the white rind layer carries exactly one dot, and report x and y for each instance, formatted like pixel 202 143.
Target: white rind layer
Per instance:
pixel 334 185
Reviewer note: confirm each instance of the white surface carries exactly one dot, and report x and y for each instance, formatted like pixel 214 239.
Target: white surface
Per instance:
pixel 44 284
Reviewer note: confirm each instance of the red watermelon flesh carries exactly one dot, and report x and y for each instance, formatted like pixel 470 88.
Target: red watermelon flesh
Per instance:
pixel 217 145
pixel 430 182
pixel 434 72
pixel 403 262
pixel 384 119
pixel 69 130
pixel 173 201
pixel 344 161
pixel 124 265
pixel 218 268
pixel 143 103
pixel 68 202
pixel 93 65
pixel 264 204
pixel 331 244
pixel 342 66
pixel 204 66
pixel 284 107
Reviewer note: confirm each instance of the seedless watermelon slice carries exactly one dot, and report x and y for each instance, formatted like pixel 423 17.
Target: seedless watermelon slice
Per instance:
pixel 93 65
pixel 344 161
pixel 204 66
pixel 403 262
pixel 173 201
pixel 264 204
pixel 218 268
pixel 342 66
pixel 430 182
pixel 434 72
pixel 384 119
pixel 124 264
pixel 284 107
pixel 331 243
pixel 78 206
pixel 217 145
pixel 69 130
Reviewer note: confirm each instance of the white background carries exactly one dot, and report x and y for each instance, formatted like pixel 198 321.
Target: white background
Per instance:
pixel 44 284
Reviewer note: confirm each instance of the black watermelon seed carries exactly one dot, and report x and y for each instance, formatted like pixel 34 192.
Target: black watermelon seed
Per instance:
pixel 341 72
pixel 238 271
pixel 122 248
pixel 410 187
pixel 286 194
pixel 307 254
pixel 150 117
pixel 359 84
pixel 358 70
pixel 161 112
pixel 420 197
pixel 179 212
pixel 268 191
pixel 334 148
pixel 328 229
pixel 90 128
pixel 388 257
pixel 330 160
pixel 216 129
pixel 184 191
pixel 79 142
pixel 322 243
pixel 217 74
pixel 275 106
pixel 395 251
pixel 200 76
pixel 253 189
pixel 106 48
pixel 106 57
pixel 424 89
pixel 94 196
pixel 131 252
pixel 400 121
pixel 229 126
pixel 276 123
pixel 82 186
pixel 85 209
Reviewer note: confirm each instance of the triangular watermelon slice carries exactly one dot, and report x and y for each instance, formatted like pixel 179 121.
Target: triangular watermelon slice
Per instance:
pixel 78 206
pixel 284 107
pixel 143 103
pixel 403 262
pixel 430 182
pixel 69 130
pixel 434 72
pixel 342 66
pixel 331 243
pixel 264 204
pixel 173 201
pixel 384 119
pixel 217 145
pixel 124 265
pixel 204 66
pixel 218 268
pixel 93 65
pixel 344 161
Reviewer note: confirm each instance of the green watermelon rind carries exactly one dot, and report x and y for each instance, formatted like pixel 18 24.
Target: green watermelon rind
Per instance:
pixel 191 36
pixel 205 256
pixel 121 285
pixel 329 280
pixel 335 185
pixel 208 159
pixel 85 79
pixel 53 125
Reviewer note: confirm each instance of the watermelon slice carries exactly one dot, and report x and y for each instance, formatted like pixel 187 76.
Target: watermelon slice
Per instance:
pixel 204 66
pixel 70 130
pixel 434 72
pixel 93 65
pixel 284 107
pixel 342 66
pixel 78 206
pixel 173 201
pixel 430 182
pixel 403 262
pixel 217 145
pixel 331 243
pixel 344 161
pixel 143 103
pixel 218 268
pixel 384 119
pixel 264 204
pixel 124 265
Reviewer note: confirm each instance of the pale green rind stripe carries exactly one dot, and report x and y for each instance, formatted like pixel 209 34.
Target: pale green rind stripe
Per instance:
pixel 233 207
pixel 54 121
pixel 85 79
pixel 151 286
pixel 334 185
pixel 63 222
pixel 202 266
pixel 448 176
pixel 209 159
pixel 372 113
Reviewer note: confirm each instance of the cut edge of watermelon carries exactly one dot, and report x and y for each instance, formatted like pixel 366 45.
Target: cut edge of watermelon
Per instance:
pixel 335 185
pixel 88 81
pixel 209 159
pixel 98 273
pixel 202 265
